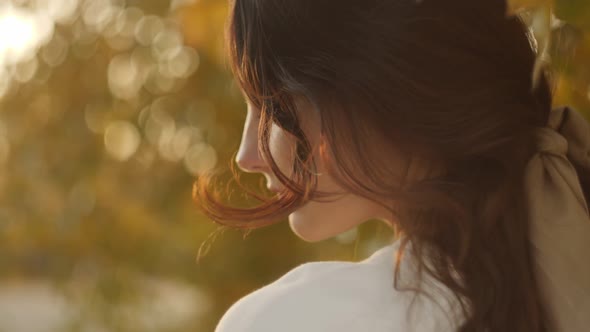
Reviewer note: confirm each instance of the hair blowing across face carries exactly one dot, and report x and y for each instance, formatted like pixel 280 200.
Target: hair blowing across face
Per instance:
pixel 442 82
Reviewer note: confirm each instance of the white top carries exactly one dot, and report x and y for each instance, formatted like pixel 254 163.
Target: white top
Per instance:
pixel 341 296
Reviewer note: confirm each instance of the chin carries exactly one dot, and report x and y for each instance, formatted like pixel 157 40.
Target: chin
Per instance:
pixel 303 231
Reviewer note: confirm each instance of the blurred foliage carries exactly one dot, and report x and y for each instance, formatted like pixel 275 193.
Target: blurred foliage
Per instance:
pixel 562 31
pixel 109 110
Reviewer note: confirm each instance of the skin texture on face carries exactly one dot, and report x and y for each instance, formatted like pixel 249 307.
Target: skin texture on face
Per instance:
pixel 314 221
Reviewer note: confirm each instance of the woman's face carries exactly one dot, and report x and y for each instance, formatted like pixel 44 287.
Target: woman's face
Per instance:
pixel 314 221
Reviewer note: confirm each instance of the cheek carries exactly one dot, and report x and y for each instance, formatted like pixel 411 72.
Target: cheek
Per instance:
pixel 317 221
pixel 282 148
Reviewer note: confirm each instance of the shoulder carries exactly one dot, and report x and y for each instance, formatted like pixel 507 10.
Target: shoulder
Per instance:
pixel 340 296
pixel 314 296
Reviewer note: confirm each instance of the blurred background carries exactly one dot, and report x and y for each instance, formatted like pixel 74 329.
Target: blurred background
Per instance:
pixel 109 111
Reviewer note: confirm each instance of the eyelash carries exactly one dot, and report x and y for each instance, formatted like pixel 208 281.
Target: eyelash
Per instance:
pixel 283 119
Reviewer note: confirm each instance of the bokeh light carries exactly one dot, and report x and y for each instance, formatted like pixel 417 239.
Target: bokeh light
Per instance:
pixel 200 158
pixel 121 139
pixel 22 32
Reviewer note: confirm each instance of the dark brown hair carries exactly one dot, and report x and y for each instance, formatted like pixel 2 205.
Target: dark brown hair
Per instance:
pixel 448 83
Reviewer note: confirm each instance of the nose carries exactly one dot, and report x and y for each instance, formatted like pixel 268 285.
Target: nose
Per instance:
pixel 248 157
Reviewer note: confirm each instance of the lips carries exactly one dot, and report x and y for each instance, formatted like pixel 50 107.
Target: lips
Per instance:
pixel 274 189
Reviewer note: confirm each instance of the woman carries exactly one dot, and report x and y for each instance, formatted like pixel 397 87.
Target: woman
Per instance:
pixel 421 114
